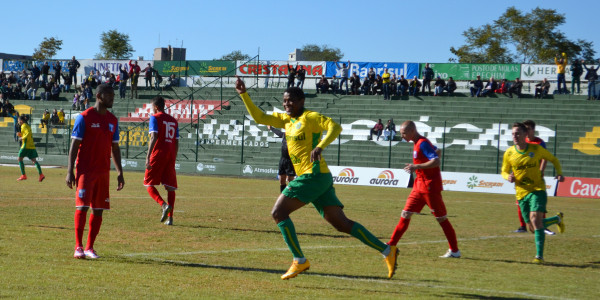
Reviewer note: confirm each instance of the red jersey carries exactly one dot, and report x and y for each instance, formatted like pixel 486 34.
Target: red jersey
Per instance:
pixel 428 180
pixel 536 141
pixel 167 131
pixel 97 134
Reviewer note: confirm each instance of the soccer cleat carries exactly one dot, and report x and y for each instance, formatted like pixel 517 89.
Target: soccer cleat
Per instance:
pixel 521 229
pixel 392 261
pixel 451 254
pixel 561 222
pixel 538 260
pixel 90 253
pixel 166 209
pixel 23 177
pixel 79 253
pixel 42 177
pixel 169 221
pixel 295 269
pixel 549 232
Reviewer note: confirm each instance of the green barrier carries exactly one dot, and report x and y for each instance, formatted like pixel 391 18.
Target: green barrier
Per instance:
pixel 195 67
pixel 470 71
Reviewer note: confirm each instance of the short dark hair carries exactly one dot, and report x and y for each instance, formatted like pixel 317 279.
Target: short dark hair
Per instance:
pixel 529 123
pixel 24 118
pixel 103 89
pixel 520 126
pixel 159 102
pixel 295 93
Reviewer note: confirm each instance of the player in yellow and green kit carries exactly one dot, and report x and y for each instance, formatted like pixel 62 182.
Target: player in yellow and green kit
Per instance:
pixel 521 165
pixel 27 148
pixel 314 184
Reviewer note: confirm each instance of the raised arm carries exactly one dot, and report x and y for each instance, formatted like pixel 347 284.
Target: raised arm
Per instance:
pixel 257 114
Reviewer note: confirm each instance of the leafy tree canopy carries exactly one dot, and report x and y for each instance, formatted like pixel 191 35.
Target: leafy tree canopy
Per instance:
pixel 114 45
pixel 235 55
pixel 312 52
pixel 47 48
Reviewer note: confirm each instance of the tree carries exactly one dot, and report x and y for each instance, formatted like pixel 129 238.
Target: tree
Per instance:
pixel 516 37
pixel 47 48
pixel 235 55
pixel 114 45
pixel 312 52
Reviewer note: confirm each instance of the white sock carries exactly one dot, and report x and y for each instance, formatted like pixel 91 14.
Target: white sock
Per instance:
pixel 386 252
pixel 300 260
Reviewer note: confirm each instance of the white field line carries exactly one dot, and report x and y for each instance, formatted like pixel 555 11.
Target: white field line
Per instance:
pixel 310 247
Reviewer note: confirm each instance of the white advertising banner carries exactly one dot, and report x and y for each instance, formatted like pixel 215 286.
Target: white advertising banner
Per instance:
pixel 370 176
pixel 486 183
pixel 113 66
pixel 539 72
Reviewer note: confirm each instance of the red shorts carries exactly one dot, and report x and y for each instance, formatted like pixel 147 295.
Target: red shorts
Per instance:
pixel 92 191
pixel 416 201
pixel 161 173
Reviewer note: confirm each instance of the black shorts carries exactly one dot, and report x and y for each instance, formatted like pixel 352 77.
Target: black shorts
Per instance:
pixel 286 167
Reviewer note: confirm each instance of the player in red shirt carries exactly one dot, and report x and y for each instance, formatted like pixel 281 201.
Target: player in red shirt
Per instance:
pixel 95 137
pixel 427 188
pixel 160 160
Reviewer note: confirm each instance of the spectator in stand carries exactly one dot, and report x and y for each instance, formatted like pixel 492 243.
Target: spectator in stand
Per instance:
pixel 112 81
pixel 335 83
pixel 12 79
pixel 54 117
pixel 366 86
pixel 385 84
pixel 378 86
pixel 390 131
pixel 45 95
pixel 157 80
pixel 291 74
pixel 45 71
pixel 73 65
pixel 61 117
pixel 402 86
pixel 134 74
pixel 503 89
pixel 90 80
pixel 355 84
pixel 45 118
pixel 22 78
pixel 414 87
pixel 542 88
pixel 57 67
pixel 7 108
pixel 344 73
pixel 17 128
pixel 490 87
pixel 372 80
pixel 31 88
pixel 55 92
pixel 477 87
pixel 591 77
pixel 376 130
pixel 301 76
pixel 323 85
pixel 576 72
pixel 439 86
pixel 561 64
pixel 172 81
pixel 148 72
pixel 123 76
pixel 515 88
pixel 393 85
pixel 427 77
pixel 35 73
pixel 98 78
pixel 67 80
pixel 77 101
pixel 87 91
pixel 450 86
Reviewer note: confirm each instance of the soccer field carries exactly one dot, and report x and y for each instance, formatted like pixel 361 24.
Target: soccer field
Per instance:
pixel 224 244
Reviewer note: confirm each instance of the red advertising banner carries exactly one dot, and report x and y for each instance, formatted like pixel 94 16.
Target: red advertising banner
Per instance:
pixel 579 187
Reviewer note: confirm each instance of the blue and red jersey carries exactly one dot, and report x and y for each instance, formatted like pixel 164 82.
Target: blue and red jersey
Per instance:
pixel 536 141
pixel 167 131
pixel 97 134
pixel 427 180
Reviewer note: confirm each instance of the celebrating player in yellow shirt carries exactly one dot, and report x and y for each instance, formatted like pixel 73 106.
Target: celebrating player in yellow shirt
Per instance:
pixel 521 165
pixel 314 184
pixel 27 148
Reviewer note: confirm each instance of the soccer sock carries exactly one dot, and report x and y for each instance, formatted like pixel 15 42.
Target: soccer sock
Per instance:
pixel 550 221
pixel 521 220
pixel 80 216
pixel 399 231
pixel 450 235
pixel 282 187
pixel 289 236
pixel 22 167
pixel 95 223
pixel 360 232
pixel 155 195
pixel 39 168
pixel 540 237
pixel 171 201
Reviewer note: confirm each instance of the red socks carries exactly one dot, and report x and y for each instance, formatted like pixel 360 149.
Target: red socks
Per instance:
pixel 399 231
pixel 79 226
pixel 450 235
pixel 95 223
pixel 155 195
pixel 171 201
pixel 521 220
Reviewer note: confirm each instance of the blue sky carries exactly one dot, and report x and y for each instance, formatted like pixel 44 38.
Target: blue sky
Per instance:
pixel 378 31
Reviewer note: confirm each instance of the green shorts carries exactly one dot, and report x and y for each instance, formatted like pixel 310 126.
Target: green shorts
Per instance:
pixel 314 188
pixel 534 201
pixel 30 153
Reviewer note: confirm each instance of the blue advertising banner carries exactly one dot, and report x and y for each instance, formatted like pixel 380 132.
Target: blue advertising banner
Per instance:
pixel 20 65
pixel 409 70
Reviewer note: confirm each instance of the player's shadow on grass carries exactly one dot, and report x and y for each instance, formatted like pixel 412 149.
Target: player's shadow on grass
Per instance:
pixel 592 265
pixel 475 296
pixel 269 231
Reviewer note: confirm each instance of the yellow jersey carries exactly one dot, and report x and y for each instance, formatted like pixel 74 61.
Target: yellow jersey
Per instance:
pixel 386 77
pixel 27 137
pixel 303 134
pixel 525 165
